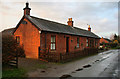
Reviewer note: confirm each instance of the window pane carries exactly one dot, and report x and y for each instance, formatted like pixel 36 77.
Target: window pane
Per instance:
pixel 87 40
pixel 78 45
pixel 53 42
pixel 77 40
pixel 87 44
pixel 51 39
pixel 53 46
pixel 54 39
pixel 18 39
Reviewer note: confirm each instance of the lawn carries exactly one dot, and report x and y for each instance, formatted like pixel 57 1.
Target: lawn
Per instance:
pixel 11 72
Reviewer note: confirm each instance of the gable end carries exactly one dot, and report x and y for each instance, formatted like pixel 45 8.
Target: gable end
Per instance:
pixel 26 23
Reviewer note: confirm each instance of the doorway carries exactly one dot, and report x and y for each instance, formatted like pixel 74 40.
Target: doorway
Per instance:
pixel 67 44
pixel 39 51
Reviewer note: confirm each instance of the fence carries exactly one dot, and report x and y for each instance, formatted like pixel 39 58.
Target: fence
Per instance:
pixel 64 57
pixel 10 59
pixel 14 62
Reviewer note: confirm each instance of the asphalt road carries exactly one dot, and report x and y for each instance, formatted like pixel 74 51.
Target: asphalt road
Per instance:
pixel 107 66
pixel 104 64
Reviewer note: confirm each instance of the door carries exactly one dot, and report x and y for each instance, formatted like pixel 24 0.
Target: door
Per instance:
pixel 39 52
pixel 67 44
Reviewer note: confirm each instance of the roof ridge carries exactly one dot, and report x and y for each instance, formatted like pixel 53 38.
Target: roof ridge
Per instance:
pixel 52 26
pixel 9 28
pixel 81 28
pixel 58 23
pixel 49 21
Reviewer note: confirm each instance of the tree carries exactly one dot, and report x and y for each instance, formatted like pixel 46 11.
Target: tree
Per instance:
pixel 111 36
pixel 10 48
pixel 115 37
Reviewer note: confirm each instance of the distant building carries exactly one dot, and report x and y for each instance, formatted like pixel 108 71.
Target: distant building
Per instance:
pixel 105 40
pixel 38 36
pixel 8 31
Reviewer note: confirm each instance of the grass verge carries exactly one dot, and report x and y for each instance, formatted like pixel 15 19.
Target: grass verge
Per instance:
pixel 13 72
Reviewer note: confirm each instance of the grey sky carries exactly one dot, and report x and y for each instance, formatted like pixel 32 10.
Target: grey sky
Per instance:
pixel 102 16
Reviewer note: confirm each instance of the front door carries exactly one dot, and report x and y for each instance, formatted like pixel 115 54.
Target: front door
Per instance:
pixel 67 44
pixel 39 52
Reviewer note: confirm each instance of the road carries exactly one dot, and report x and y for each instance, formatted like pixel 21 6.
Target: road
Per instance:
pixel 104 64
pixel 107 66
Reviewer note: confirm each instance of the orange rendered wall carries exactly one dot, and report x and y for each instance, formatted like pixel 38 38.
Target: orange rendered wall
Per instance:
pixel 29 39
pixel 103 40
pixel 61 42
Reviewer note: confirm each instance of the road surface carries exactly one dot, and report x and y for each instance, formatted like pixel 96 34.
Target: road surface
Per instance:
pixel 107 66
pixel 104 64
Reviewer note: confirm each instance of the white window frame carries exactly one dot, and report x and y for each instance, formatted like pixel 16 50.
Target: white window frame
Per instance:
pixel 78 42
pixel 87 42
pixel 53 43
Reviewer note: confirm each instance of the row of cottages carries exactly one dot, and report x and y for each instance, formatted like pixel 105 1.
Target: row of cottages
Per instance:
pixel 105 40
pixel 38 35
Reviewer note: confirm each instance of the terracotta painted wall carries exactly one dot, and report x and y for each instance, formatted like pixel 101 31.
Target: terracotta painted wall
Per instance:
pixel 61 42
pixel 103 40
pixel 29 39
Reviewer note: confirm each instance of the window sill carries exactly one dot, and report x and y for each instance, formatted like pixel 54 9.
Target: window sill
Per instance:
pixel 53 50
pixel 77 47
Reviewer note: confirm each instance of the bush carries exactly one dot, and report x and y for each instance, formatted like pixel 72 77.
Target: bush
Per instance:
pixel 113 45
pixel 10 49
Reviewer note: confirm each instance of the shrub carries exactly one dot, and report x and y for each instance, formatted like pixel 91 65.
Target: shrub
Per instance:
pixel 10 49
pixel 113 45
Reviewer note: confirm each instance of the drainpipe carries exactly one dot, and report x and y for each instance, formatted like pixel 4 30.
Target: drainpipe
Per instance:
pixel 40 44
pixel 45 41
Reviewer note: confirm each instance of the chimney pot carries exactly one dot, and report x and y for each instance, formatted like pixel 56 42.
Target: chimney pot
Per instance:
pixel 89 28
pixel 27 9
pixel 70 22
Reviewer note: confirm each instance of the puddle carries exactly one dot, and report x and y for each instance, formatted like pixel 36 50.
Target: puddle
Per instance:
pixel 93 62
pixel 43 71
pixel 79 69
pixel 97 60
pixel 73 72
pixel 65 76
pixel 86 66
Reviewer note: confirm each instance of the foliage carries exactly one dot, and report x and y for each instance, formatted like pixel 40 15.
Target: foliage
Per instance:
pixel 41 66
pixel 9 73
pixel 113 45
pixel 10 49
pixel 118 47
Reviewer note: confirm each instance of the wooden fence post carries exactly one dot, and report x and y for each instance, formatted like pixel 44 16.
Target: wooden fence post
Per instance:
pixel 16 59
pixel 60 57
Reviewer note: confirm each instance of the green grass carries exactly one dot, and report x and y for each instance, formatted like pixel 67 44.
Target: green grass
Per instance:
pixel 118 47
pixel 41 66
pixel 13 72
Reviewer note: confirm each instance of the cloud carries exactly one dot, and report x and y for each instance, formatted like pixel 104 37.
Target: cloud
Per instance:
pixel 100 15
pixel 104 20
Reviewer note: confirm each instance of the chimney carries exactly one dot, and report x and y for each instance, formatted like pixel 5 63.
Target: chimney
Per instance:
pixel 70 22
pixel 89 28
pixel 27 9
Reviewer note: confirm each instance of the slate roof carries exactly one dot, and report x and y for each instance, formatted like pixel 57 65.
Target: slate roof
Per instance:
pixel 8 31
pixel 50 26
pixel 107 39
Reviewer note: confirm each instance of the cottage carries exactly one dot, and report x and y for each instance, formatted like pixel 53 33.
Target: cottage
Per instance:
pixel 104 40
pixel 38 35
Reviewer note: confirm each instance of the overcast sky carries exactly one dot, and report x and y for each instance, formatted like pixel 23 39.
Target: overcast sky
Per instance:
pixel 102 16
